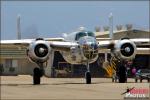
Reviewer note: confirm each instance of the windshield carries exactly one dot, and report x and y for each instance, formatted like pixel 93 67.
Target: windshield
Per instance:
pixel 82 34
pixel 91 34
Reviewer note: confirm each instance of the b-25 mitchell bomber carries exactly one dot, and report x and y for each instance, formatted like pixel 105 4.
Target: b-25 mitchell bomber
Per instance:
pixel 80 47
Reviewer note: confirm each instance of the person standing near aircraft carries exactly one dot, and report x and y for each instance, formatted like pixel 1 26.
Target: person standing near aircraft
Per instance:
pixel 134 71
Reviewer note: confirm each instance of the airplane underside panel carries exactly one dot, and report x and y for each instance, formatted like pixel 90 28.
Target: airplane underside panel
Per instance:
pixel 77 58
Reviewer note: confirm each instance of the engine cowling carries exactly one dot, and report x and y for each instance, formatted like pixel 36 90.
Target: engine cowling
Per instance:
pixel 124 49
pixel 39 51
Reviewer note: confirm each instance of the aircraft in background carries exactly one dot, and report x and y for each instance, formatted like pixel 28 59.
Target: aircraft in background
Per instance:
pixel 80 47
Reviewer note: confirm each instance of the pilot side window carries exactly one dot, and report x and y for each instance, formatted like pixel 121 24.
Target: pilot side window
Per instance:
pixel 79 35
pixel 91 34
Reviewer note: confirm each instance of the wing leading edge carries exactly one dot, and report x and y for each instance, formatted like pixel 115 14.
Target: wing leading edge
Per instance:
pixel 108 44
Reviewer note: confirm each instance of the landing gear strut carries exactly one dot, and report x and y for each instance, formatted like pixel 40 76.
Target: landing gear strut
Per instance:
pixel 37 74
pixel 88 74
pixel 122 73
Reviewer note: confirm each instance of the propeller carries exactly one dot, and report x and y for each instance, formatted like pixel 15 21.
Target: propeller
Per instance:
pixel 127 49
pixel 41 50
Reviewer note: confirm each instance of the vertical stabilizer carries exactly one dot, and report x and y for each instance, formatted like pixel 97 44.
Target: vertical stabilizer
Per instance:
pixel 18 27
pixel 111 26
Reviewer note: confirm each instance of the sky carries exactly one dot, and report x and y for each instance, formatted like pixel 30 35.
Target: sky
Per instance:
pixel 52 18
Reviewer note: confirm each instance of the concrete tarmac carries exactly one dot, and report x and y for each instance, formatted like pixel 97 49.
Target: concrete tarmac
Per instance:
pixel 20 87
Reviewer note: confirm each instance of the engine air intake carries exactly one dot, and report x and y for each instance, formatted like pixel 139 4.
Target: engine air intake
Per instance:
pixel 127 49
pixel 41 50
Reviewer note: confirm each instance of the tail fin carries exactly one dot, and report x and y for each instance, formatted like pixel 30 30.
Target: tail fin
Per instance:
pixel 111 26
pixel 18 27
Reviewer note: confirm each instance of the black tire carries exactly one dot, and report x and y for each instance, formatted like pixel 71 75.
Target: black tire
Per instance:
pixel 141 80
pixel 88 77
pixel 148 80
pixel 136 80
pixel 122 74
pixel 36 76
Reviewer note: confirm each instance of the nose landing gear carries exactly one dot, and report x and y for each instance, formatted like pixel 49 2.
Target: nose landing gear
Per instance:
pixel 88 74
pixel 88 77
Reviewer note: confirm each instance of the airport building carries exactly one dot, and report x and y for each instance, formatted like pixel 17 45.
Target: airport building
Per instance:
pixel 14 61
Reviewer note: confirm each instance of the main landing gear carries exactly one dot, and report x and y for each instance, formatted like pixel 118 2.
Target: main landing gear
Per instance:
pixel 88 74
pixel 122 74
pixel 37 74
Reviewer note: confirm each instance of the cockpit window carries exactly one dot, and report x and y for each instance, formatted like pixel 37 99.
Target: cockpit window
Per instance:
pixel 82 34
pixel 91 34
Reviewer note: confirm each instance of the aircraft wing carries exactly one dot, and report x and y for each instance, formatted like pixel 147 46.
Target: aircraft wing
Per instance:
pixel 55 43
pixel 108 44
pixel 143 51
pixel 14 48
pixel 54 39
pixel 24 42
pixel 63 46
pixel 141 42
pixel 18 48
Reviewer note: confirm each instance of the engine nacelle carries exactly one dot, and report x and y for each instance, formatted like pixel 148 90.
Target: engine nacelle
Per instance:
pixel 124 49
pixel 39 51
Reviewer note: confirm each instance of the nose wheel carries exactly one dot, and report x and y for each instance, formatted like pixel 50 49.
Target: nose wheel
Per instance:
pixel 88 77
pixel 88 74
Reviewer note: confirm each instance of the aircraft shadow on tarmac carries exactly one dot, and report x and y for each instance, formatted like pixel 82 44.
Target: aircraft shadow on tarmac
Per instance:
pixel 91 83
pixel 64 83
pixel 11 84
pixel 71 83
